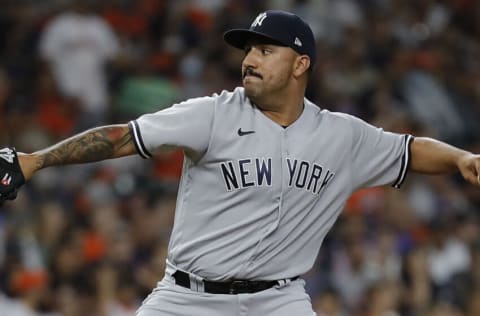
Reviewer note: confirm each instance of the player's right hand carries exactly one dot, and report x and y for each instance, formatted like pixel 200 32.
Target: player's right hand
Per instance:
pixel 11 175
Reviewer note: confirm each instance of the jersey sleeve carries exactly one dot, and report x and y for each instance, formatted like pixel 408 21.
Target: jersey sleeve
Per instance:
pixel 185 125
pixel 378 157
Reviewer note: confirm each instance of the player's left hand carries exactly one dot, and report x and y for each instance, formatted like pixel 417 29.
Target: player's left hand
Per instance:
pixel 11 175
pixel 469 166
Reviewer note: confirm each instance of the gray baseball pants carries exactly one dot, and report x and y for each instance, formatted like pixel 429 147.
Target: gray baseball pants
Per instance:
pixel 169 299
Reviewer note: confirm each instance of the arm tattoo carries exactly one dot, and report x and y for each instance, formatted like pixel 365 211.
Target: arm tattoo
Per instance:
pixel 92 145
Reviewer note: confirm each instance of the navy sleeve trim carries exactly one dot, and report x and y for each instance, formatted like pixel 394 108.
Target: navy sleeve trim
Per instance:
pixel 405 162
pixel 138 141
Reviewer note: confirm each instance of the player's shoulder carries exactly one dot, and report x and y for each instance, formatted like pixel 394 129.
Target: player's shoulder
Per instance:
pixel 339 117
pixel 236 96
pixel 337 121
pixel 326 115
pixel 222 98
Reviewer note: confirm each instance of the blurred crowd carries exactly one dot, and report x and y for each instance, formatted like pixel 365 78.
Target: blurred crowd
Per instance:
pixel 91 239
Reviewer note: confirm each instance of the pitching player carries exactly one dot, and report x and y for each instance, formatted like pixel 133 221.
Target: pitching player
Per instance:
pixel 265 176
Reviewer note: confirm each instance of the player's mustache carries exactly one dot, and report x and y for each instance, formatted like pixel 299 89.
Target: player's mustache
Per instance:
pixel 250 72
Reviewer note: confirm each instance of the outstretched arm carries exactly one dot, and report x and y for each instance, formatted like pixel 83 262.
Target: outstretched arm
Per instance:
pixel 435 157
pixel 95 144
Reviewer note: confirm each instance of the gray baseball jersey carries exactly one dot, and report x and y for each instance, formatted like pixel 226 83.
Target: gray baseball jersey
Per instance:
pixel 256 199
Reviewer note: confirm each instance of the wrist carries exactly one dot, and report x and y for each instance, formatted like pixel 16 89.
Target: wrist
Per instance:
pixel 29 164
pixel 462 159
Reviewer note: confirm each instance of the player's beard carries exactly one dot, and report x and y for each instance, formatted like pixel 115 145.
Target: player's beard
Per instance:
pixel 252 91
pixel 262 92
pixel 252 82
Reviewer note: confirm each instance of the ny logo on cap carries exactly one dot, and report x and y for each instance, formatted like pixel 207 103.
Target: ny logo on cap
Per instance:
pixel 259 19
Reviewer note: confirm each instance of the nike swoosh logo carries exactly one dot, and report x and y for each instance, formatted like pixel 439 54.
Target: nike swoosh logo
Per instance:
pixel 243 133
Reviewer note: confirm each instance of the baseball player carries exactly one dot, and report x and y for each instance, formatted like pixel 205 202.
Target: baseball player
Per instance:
pixel 266 173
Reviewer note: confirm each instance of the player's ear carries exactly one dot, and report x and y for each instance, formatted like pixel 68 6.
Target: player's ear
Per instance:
pixel 301 65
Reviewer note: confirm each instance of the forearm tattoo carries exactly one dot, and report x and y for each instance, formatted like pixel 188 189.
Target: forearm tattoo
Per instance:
pixel 92 145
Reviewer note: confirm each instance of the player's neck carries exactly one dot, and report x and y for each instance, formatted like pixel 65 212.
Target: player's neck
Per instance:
pixel 284 113
pixel 283 108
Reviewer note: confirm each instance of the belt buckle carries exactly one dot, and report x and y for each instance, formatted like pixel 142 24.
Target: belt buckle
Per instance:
pixel 239 285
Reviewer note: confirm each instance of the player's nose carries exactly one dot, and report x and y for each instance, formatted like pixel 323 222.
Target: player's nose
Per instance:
pixel 250 60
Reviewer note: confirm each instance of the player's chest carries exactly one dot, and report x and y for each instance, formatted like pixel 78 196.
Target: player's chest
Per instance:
pixel 261 157
pixel 248 139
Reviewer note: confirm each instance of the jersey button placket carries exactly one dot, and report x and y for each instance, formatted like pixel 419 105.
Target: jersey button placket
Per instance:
pixel 283 156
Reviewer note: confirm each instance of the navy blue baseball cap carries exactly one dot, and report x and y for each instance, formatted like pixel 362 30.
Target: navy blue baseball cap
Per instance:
pixel 280 27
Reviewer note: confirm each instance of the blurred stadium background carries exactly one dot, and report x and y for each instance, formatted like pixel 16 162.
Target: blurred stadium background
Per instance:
pixel 91 239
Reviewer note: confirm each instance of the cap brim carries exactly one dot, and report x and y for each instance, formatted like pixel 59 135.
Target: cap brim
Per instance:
pixel 239 37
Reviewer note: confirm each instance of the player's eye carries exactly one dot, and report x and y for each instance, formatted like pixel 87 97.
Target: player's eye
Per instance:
pixel 247 49
pixel 266 51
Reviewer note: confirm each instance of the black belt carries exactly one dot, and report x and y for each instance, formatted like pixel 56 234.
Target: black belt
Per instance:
pixel 228 287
